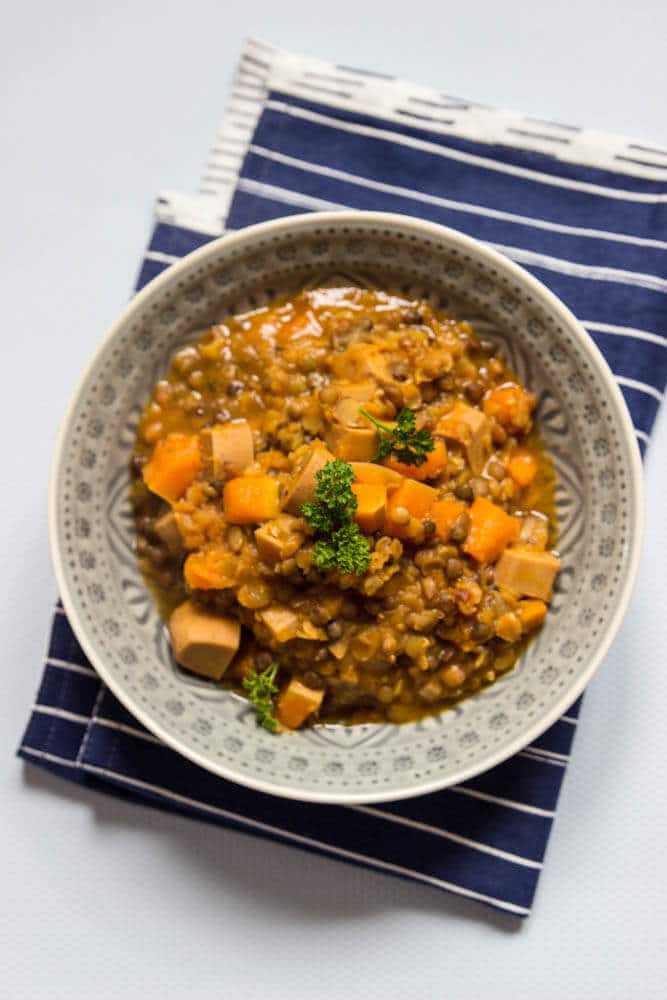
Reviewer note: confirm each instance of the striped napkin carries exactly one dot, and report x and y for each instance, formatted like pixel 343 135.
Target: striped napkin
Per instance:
pixel 584 212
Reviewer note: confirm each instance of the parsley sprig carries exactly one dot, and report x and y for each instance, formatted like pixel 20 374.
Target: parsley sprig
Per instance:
pixel 335 503
pixel 409 445
pixel 345 550
pixel 330 513
pixel 262 689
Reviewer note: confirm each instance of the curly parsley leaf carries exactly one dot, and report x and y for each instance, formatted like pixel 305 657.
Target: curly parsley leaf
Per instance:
pixel 262 688
pixel 334 502
pixel 331 514
pixel 345 550
pixel 409 445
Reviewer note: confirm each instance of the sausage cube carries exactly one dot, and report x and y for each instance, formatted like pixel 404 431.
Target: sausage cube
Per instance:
pixel 203 641
pixel 527 572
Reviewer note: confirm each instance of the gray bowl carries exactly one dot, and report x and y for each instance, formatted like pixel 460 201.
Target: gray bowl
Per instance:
pixel 586 427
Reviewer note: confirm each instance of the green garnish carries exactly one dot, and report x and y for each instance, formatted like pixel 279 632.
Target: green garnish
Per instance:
pixel 262 689
pixel 331 514
pixel 334 503
pixel 346 550
pixel 410 446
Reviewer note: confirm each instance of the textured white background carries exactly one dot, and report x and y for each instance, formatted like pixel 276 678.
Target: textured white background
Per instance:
pixel 103 104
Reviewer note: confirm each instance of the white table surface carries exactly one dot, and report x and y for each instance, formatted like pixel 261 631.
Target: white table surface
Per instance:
pixel 103 104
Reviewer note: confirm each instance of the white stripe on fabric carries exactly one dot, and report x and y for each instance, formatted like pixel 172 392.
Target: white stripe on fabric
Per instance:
pixel 286 197
pixel 625 331
pixel 251 93
pixel 652 282
pixel 86 737
pixel 633 383
pixel 163 258
pixel 509 803
pixel 499 801
pixel 122 727
pixel 642 435
pixel 75 668
pixel 456 838
pixel 61 713
pixel 306 841
pixel 52 758
pixel 483 125
pixel 570 718
pixel 391 98
pixel 457 206
pixel 58 610
pixel 241 116
pixel 284 834
pixel 531 755
pixel 550 754
pixel 571 268
pixel 397 138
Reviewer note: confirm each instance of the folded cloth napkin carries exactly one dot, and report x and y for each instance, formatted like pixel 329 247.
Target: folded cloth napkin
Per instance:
pixel 585 213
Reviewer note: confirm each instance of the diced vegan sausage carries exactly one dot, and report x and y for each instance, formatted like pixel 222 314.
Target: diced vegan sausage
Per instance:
pixel 304 481
pixel 228 447
pixel 202 641
pixel 353 444
pixel 527 572
pixel 279 539
pixel 167 531
pixel 469 427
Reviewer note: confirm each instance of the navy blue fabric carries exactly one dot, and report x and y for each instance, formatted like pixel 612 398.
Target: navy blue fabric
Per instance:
pixel 604 252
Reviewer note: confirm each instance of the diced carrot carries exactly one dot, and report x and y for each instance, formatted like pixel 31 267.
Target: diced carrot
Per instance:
pixel 296 703
pixel 491 529
pixel 444 514
pixel 251 499
pixel 212 570
pixel 370 472
pixel 522 467
pixel 409 502
pixel 432 467
pixel 175 463
pixel 371 506
pixel 418 498
pixel 531 614
pixel 511 405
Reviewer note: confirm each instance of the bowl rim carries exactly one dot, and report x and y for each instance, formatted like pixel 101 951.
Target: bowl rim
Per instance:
pixel 585 342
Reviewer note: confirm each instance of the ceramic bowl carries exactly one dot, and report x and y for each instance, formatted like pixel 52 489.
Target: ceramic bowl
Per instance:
pixel 586 427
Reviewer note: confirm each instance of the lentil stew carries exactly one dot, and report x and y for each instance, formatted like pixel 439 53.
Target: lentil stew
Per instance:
pixel 344 508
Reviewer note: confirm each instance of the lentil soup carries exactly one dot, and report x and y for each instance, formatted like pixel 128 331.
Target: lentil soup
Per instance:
pixel 344 508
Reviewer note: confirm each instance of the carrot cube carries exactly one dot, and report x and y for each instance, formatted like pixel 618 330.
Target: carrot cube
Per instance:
pixel 444 514
pixel 491 529
pixel 369 472
pixel 175 463
pixel 251 499
pixel 296 703
pixel 371 506
pixel 522 467
pixel 511 405
pixel 432 467
pixel 409 502
pixel 212 570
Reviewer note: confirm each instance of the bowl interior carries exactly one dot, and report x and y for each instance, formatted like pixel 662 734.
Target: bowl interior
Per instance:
pixel 585 428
